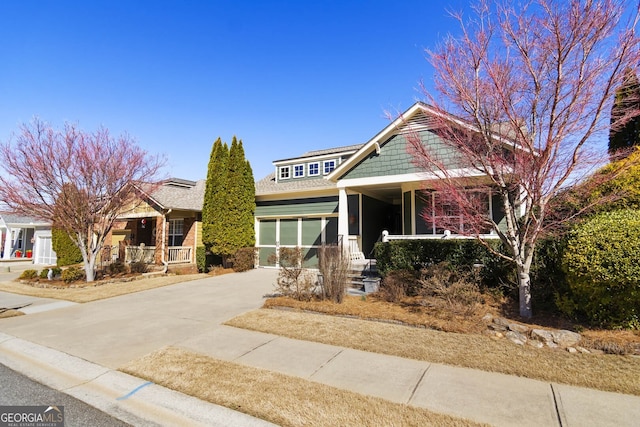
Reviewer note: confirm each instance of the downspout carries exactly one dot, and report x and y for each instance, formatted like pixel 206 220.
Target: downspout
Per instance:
pixel 164 237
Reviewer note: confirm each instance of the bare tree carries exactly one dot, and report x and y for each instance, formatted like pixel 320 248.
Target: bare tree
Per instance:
pixel 524 95
pixel 77 180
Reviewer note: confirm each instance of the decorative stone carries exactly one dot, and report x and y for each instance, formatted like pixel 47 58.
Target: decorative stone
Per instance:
pixel 583 350
pixel 517 327
pixel 565 338
pixel 542 335
pixel 516 337
pixel 572 350
pixel 501 321
pixel 497 327
pixel 551 344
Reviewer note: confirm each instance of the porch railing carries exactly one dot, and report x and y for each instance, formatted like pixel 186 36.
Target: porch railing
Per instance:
pixel 354 248
pixel 144 254
pixel 179 254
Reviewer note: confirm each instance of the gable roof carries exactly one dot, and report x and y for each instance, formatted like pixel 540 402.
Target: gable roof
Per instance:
pixel 176 193
pixel 419 116
pixel 9 218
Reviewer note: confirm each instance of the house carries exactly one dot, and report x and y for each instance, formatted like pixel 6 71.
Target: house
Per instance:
pixel 351 194
pixel 25 238
pixel 162 226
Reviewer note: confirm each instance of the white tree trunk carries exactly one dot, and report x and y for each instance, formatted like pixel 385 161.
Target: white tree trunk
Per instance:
pixel 524 292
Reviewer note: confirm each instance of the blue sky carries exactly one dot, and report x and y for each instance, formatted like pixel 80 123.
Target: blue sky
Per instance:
pixel 284 76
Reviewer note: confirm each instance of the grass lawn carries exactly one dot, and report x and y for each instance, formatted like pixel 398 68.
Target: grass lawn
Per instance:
pixel 281 399
pixel 87 292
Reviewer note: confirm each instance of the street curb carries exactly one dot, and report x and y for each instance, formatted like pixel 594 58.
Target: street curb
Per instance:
pixel 125 397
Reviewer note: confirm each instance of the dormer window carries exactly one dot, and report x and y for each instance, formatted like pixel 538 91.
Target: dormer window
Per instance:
pixel 298 171
pixel 285 172
pixel 314 169
pixel 328 166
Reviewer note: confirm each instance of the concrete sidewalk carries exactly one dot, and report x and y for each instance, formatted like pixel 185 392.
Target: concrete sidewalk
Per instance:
pixel 77 349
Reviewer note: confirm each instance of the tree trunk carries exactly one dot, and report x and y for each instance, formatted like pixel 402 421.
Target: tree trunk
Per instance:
pixel 524 291
pixel 89 269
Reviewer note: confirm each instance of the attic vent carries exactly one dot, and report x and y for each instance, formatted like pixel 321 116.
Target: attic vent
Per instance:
pixel 416 123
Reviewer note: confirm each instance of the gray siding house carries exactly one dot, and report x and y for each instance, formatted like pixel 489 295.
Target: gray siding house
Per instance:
pixel 350 194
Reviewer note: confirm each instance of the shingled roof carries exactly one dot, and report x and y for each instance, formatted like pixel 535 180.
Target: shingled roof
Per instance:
pixel 180 194
pixel 268 185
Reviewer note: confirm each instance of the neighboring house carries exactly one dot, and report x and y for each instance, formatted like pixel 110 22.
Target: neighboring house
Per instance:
pixel 164 226
pixel 351 194
pixel 25 238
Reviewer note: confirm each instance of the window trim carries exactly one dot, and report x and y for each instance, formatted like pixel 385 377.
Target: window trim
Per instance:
pixel 309 173
pixel 171 232
pixel 324 168
pixel 282 169
pixel 295 172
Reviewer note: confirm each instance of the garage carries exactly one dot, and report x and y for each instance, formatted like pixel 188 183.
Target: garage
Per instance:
pixel 308 233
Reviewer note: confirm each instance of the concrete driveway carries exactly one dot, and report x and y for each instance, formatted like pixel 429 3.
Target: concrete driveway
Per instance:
pixel 115 331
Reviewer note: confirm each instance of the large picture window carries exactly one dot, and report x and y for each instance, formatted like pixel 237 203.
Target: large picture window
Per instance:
pixel 176 232
pixel 437 212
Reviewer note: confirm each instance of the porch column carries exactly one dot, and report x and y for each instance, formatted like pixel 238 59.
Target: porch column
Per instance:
pixel 7 244
pixel 343 217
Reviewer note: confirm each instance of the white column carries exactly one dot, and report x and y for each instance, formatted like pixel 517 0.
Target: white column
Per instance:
pixel 7 244
pixel 343 217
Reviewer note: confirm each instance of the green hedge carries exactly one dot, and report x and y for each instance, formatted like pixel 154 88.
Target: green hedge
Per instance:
pixel 205 259
pixel 459 253
pixel 602 268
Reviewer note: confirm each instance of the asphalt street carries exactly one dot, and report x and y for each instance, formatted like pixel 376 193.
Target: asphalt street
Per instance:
pixel 19 390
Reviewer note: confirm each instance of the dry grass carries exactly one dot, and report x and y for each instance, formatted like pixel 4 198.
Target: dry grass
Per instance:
pixel 10 313
pixel 87 292
pixel 409 311
pixel 275 397
pixel 603 372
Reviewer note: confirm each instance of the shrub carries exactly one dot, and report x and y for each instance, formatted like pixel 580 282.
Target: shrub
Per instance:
pixel 72 274
pixel 293 280
pixel 602 270
pixel 334 268
pixel 44 274
pixel 244 259
pixel 29 275
pixel 67 253
pixel 396 284
pixel 459 253
pixel 138 267
pixel 205 260
pixel 116 268
pixel 454 286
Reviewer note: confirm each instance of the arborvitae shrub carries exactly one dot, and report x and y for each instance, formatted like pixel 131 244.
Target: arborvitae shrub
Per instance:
pixel 602 268
pixel 67 252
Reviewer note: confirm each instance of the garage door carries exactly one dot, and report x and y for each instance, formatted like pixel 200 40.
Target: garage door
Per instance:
pixel 44 251
pixel 306 233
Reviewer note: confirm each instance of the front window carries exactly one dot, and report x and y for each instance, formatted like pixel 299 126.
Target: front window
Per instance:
pixel 176 227
pixel 285 172
pixel 298 171
pixel 314 169
pixel 329 165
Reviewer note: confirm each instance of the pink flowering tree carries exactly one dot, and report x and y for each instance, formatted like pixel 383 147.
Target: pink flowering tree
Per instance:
pixel 522 97
pixel 77 180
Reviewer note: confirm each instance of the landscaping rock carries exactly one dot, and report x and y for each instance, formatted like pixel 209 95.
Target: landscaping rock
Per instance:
pixel 516 337
pixel 542 335
pixel 497 327
pixel 572 350
pixel 565 338
pixel 502 321
pixel 517 327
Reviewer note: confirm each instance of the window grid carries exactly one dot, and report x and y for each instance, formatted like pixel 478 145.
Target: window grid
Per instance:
pixel 285 172
pixel 314 169
pixel 176 227
pixel 298 171
pixel 328 166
